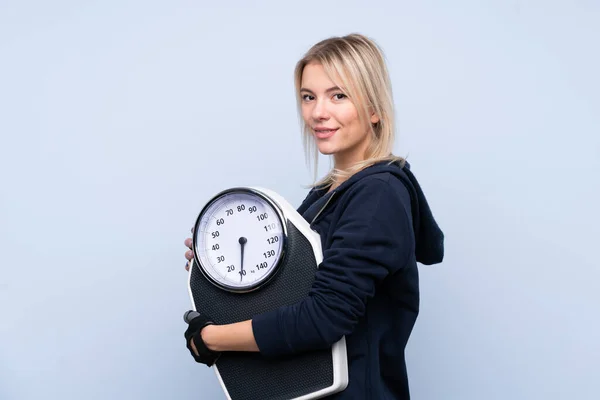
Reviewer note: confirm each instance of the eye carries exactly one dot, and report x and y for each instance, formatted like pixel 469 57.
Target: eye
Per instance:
pixel 307 97
pixel 339 96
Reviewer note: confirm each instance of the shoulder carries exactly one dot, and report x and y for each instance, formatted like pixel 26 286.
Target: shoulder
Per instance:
pixel 375 201
pixel 383 188
pixel 373 215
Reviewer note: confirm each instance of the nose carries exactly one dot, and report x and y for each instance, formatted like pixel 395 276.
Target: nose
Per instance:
pixel 319 112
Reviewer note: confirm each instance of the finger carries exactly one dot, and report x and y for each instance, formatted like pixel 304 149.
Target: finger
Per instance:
pixel 189 255
pixel 187 266
pixel 194 346
pixel 188 242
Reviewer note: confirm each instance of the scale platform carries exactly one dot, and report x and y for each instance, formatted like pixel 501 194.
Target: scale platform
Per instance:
pixel 250 376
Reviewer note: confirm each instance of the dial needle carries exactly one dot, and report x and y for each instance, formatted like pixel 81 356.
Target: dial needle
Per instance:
pixel 242 242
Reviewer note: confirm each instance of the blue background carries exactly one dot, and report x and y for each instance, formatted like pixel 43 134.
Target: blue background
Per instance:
pixel 119 119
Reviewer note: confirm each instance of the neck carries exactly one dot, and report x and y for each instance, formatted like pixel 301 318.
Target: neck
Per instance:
pixel 351 156
pixel 343 163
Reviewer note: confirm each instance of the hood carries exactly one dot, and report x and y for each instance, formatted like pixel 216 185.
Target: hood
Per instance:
pixel 428 235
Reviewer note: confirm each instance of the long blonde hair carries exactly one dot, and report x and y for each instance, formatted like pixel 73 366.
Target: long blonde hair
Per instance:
pixel 356 64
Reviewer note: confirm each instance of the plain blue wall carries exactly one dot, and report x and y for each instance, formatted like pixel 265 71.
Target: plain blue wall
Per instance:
pixel 118 119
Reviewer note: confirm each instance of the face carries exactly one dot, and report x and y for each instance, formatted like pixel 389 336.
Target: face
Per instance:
pixel 332 118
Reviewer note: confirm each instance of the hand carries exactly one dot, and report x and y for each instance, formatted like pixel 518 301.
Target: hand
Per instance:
pixel 195 344
pixel 189 254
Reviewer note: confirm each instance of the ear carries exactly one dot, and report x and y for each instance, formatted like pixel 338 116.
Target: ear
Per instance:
pixel 374 118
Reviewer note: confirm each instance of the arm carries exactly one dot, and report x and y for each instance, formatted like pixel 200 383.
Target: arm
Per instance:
pixel 372 240
pixel 231 337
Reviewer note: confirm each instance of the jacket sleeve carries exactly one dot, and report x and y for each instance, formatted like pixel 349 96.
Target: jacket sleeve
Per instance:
pixel 372 239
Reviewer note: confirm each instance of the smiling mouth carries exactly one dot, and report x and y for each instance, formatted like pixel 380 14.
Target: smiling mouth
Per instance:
pixel 324 133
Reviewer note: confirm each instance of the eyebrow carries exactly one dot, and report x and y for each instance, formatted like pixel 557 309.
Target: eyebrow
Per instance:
pixel 331 89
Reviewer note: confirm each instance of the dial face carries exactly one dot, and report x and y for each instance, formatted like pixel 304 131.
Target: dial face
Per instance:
pixel 239 240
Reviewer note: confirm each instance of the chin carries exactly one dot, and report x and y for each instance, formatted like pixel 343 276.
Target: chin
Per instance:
pixel 326 150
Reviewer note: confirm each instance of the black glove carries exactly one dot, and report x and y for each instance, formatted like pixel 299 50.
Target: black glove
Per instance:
pixel 197 322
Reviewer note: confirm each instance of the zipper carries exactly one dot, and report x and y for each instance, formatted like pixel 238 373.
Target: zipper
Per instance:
pixel 322 208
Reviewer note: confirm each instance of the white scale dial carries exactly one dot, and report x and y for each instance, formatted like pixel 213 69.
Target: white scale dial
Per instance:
pixel 239 240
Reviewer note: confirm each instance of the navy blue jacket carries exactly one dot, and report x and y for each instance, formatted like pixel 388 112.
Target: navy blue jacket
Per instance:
pixel 374 229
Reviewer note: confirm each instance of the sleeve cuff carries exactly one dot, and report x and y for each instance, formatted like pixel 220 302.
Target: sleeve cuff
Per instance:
pixel 268 335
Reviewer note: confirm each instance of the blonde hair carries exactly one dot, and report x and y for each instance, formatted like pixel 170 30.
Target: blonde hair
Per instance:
pixel 356 64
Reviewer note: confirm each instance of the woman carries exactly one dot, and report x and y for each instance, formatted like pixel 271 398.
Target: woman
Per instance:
pixel 374 223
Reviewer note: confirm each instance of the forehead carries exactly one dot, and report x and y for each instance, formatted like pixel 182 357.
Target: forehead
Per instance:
pixel 315 77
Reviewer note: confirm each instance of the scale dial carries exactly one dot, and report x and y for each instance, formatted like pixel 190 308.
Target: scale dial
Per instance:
pixel 239 239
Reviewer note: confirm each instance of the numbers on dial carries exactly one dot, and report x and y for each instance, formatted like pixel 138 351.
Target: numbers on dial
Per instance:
pixel 270 253
pixel 228 259
pixel 262 216
pixel 261 265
